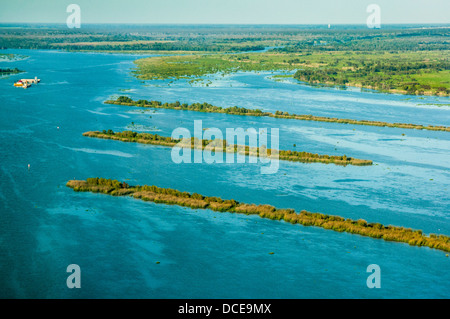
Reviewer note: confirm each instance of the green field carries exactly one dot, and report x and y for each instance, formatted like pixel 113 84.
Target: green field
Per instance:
pixel 421 72
pixel 197 65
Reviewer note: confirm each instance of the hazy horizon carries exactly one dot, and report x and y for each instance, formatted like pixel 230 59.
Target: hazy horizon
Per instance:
pixel 230 12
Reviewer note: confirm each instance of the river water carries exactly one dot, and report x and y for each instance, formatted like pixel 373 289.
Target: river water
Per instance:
pixel 117 242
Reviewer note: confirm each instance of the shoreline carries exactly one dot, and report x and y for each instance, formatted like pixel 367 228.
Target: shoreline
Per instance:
pixel 355 85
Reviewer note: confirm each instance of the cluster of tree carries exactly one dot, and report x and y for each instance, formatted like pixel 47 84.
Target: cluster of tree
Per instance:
pixel 306 157
pixel 124 99
pixel 382 75
pixel 306 154
pixel 134 136
pixel 159 46
pixel 9 71
pixel 100 39
pixel 295 61
pixel 363 39
pixel 225 38
pixel 305 218
pixel 106 182
pixel 241 57
pixel 199 107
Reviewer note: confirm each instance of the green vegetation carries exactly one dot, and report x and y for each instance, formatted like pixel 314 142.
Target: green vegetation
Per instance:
pixel 9 71
pixel 387 39
pixel 198 107
pixel 208 108
pixel 187 66
pixel 133 39
pixel 168 46
pixel 424 72
pixel 393 59
pixel 397 60
pixel 223 146
pixel 286 115
pixel 288 39
pixel 196 201
pixel 403 69
pixel 10 57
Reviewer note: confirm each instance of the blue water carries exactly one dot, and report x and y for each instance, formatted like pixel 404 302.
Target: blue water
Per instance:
pixel 203 254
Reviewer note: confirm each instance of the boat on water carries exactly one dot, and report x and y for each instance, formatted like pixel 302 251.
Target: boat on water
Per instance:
pixel 22 84
pixel 25 83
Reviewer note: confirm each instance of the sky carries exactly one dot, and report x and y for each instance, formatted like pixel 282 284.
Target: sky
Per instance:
pixel 226 11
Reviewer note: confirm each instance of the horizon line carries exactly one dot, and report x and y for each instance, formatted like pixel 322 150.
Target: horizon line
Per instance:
pixel 228 24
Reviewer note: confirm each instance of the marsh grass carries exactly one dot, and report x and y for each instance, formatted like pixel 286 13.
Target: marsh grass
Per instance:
pixel 224 147
pixel 196 201
pixel 208 108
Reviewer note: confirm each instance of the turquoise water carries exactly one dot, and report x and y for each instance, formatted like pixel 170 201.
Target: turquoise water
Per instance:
pixel 203 254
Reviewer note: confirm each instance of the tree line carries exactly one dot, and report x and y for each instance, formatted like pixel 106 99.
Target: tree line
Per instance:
pixel 206 107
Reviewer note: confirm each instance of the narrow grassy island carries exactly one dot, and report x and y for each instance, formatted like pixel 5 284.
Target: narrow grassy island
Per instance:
pixel 305 218
pixel 208 108
pixel 222 146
